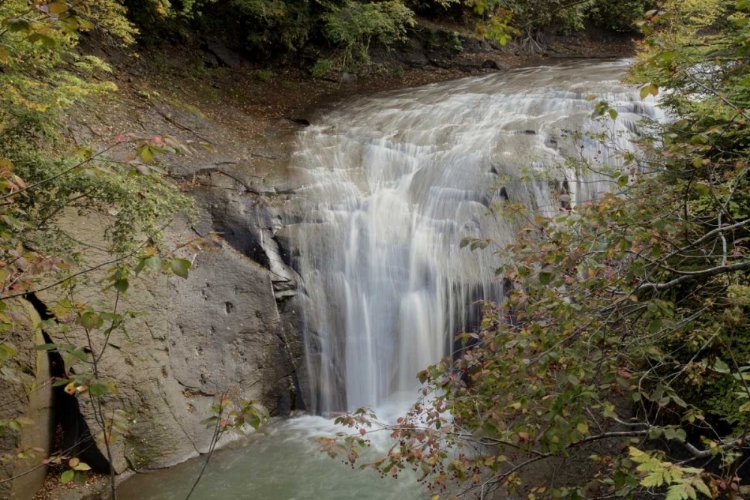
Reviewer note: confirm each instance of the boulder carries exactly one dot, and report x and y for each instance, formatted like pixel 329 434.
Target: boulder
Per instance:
pixel 224 55
pixel 490 64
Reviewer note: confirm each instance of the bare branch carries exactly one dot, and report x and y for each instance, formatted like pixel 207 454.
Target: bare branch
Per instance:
pixel 713 271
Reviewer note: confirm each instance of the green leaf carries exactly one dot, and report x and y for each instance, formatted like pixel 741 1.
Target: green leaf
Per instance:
pixel 180 267
pixel 79 354
pixel 210 421
pixel 698 483
pixel 15 25
pixel 147 263
pixel 720 366
pixel 146 154
pixel 24 421
pixel 699 139
pixel 84 24
pixel 545 278
pixel 601 108
pixel 702 189
pixel 46 347
pixel 679 401
pixel 62 308
pixel 97 389
pixel 122 285
pixel 67 476
pixel 654 326
pixel 680 435
pixel 655 433
pixel 91 320
pixel 45 40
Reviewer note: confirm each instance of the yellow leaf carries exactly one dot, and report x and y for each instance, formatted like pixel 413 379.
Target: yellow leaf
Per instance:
pixel 57 8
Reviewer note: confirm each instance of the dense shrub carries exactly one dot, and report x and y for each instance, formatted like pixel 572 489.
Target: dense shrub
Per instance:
pixel 619 15
pixel 270 28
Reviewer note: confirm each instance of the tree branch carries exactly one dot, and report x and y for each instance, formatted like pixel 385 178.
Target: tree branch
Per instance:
pixel 713 271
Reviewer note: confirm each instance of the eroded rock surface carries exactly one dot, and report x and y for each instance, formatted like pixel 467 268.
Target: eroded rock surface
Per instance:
pixel 231 326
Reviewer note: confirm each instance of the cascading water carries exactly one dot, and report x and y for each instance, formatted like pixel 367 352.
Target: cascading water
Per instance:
pixel 394 184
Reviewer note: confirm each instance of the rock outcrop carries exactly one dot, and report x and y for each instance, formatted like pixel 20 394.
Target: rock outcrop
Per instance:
pixel 230 327
pixel 28 402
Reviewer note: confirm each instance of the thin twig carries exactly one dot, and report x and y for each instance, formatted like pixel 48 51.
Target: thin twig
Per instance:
pixel 211 447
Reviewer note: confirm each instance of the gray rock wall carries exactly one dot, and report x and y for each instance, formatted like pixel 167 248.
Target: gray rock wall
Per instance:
pixel 232 326
pixel 30 398
pixel 191 340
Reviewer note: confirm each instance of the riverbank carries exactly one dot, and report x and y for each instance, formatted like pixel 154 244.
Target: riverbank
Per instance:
pixel 214 77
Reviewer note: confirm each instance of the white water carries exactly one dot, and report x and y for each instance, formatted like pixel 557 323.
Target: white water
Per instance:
pixel 396 181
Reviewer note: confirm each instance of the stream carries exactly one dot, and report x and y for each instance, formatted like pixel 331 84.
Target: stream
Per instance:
pixel 393 183
pixel 284 464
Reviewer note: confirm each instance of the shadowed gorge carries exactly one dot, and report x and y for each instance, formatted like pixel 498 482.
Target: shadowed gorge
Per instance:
pixel 374 249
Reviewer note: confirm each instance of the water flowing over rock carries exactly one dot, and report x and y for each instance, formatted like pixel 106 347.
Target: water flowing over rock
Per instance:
pixel 386 187
pixel 396 181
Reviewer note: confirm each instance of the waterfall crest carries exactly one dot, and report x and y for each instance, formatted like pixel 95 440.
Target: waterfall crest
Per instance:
pixel 394 182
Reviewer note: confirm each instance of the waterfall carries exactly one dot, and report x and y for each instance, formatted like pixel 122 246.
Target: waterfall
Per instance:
pixel 394 182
